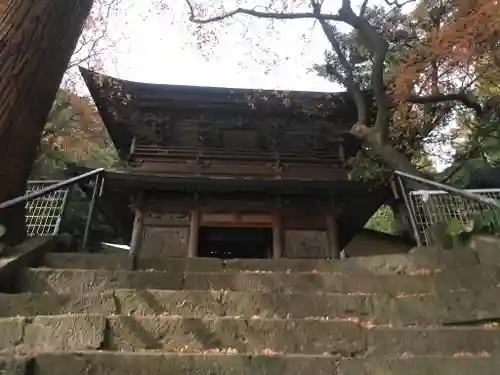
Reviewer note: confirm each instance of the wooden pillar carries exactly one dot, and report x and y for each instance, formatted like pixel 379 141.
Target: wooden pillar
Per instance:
pixel 277 236
pixel 194 232
pixel 333 236
pixel 135 241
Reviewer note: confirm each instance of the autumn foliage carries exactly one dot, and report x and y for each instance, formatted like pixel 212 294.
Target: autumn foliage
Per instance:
pixel 464 46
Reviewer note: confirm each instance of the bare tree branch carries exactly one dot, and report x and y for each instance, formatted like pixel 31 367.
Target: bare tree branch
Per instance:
pixel 251 12
pixel 363 8
pixel 348 80
pixel 378 47
pixel 466 99
pixel 353 87
pixel 396 4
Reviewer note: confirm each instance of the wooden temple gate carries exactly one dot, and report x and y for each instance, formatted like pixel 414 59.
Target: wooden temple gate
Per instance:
pixel 212 166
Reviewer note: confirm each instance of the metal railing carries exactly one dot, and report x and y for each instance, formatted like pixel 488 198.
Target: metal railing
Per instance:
pixel 96 175
pixel 427 207
pixel 44 214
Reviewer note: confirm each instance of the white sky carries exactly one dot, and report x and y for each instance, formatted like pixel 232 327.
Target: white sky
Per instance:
pixel 159 47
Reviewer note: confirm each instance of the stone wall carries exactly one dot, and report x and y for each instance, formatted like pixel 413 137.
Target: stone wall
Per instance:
pixel 369 242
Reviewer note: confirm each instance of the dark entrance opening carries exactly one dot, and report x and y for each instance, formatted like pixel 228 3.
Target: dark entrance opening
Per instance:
pixel 226 243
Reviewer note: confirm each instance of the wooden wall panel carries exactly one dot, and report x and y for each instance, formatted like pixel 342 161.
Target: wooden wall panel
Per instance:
pixel 180 219
pixel 313 172
pixel 205 168
pixel 291 171
pixel 236 219
pixel 304 220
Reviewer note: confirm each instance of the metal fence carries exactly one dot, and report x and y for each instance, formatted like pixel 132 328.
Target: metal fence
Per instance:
pixel 44 214
pixel 432 206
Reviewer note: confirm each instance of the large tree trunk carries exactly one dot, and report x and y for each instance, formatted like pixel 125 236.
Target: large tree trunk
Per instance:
pixel 37 38
pixel 391 157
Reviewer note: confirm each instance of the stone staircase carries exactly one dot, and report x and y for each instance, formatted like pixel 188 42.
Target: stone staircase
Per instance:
pixel 92 314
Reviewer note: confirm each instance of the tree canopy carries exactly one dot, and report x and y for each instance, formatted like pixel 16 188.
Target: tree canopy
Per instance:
pixel 74 133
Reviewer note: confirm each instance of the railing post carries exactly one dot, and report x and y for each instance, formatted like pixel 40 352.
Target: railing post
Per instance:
pixel 332 231
pixel 90 216
pixel 410 211
pixel 194 233
pixel 138 228
pixel 277 235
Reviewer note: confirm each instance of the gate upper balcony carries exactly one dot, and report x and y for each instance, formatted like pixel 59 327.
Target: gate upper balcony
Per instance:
pixel 189 130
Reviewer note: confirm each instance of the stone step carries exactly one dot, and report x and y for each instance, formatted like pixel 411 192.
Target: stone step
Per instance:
pixel 382 264
pixel 84 363
pixel 465 364
pixel 83 281
pixel 237 335
pixel 417 310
